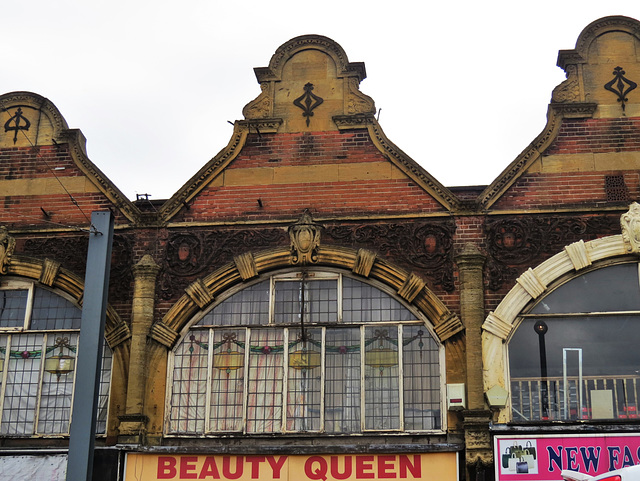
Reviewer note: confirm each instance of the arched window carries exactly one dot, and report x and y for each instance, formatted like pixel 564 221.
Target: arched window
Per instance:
pixel 306 352
pixel 575 353
pixel 39 332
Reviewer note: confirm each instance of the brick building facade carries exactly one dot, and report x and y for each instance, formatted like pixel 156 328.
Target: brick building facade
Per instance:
pixel 312 297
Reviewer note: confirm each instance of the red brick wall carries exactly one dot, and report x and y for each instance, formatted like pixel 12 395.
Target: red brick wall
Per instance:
pixel 358 197
pixel 597 136
pixel 44 162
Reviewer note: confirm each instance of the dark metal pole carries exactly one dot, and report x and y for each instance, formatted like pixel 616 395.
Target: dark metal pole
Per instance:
pixel 541 329
pixel 94 313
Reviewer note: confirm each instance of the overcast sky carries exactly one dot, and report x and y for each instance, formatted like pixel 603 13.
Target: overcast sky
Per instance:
pixel 463 86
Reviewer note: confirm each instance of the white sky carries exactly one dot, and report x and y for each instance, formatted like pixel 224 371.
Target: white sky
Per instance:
pixel 463 85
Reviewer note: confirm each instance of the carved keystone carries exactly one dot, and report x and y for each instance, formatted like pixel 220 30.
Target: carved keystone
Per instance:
pixel 305 240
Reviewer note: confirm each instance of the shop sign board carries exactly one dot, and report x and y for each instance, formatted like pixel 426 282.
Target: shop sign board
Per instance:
pixel 340 467
pixel 542 458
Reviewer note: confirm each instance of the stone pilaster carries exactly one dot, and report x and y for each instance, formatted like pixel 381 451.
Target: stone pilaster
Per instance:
pixel 133 423
pixel 477 418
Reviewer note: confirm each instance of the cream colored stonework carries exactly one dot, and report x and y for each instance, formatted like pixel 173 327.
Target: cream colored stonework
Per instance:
pixel 61 185
pixel 311 173
pixel 502 323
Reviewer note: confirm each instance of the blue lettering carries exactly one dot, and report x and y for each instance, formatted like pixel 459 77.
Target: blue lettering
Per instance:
pixel 628 458
pixel 571 459
pixel 614 452
pixel 590 457
pixel 555 457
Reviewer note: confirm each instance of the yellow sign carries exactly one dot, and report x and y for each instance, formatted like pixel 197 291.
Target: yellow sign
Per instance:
pixel 340 467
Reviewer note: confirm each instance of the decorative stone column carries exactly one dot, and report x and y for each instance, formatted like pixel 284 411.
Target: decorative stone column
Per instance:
pixel 478 449
pixel 133 423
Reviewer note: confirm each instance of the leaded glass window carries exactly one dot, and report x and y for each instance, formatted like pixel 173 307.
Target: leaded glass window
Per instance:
pixel 39 332
pixel 312 352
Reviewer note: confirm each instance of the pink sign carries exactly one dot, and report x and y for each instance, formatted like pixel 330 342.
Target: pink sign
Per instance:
pixel 542 458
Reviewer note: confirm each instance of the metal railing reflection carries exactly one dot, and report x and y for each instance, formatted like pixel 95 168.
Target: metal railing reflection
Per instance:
pixel 558 398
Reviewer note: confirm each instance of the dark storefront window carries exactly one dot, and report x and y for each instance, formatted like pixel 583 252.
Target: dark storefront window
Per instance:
pixel 315 353
pixel 575 355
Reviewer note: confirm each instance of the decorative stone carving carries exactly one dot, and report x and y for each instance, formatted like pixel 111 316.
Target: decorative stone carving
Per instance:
pixel 305 240
pixel 497 326
pixel 199 293
pixel 448 327
pixel 261 107
pixel 49 272
pixel 364 262
pixel 425 245
pixel 578 254
pixel 163 334
pixel 569 90
pixel 246 266
pixel 411 287
pixel 7 246
pixel 630 223
pixel 523 240
pixel 531 283
pixel 357 102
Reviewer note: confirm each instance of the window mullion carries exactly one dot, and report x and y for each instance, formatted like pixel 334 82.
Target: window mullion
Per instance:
pixel 285 380
pixel 207 406
pixel 362 382
pixel 29 307
pixel 36 414
pixel 400 378
pixel 245 382
pixel 323 339
pixel 5 371
pixel 75 372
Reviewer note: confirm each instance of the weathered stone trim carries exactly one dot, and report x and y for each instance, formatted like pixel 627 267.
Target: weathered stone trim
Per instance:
pixel 500 324
pixel 531 283
pixel 364 262
pixel 199 293
pixel 578 254
pixel 443 195
pixel 411 287
pixel 497 326
pixel 448 327
pixel 49 272
pixel 246 266
pixel 163 334
pixel 64 280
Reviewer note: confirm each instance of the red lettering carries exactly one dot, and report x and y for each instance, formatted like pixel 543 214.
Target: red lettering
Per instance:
pixel 415 468
pixel 209 468
pixel 255 465
pixel 187 464
pixel 276 466
pixel 364 467
pixel 166 467
pixel 346 473
pixel 316 473
pixel 385 467
pixel 226 467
